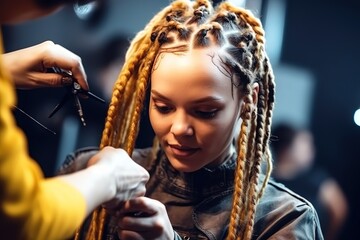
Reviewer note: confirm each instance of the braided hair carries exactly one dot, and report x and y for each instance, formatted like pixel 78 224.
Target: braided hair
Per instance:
pixel 196 24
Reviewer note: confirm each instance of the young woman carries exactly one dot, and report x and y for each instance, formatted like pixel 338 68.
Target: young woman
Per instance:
pixel 211 96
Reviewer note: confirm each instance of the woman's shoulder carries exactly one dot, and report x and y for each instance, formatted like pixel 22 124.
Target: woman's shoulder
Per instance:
pixel 280 194
pixel 282 212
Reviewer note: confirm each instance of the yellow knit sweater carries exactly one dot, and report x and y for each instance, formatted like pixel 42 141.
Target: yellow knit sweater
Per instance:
pixel 31 207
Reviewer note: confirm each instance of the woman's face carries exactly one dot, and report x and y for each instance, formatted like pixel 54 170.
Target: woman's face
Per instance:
pixel 193 108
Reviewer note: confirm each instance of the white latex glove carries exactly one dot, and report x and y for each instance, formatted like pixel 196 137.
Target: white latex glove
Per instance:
pixel 144 219
pixel 111 177
pixel 129 177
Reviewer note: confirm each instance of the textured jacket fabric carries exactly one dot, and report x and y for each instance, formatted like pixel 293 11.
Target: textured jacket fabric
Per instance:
pixel 30 206
pixel 199 203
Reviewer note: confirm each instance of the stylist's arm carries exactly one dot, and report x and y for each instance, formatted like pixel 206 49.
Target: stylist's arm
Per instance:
pixel 111 176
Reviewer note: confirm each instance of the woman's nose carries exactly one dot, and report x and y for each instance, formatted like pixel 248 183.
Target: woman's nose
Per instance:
pixel 181 125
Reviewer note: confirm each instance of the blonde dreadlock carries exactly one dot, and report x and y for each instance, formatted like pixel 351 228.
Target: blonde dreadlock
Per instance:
pixel 241 36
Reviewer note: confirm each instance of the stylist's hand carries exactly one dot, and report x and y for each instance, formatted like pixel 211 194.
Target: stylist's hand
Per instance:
pixel 144 218
pixel 28 66
pixel 129 177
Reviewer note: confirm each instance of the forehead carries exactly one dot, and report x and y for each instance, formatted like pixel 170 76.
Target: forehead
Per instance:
pixel 197 72
pixel 201 63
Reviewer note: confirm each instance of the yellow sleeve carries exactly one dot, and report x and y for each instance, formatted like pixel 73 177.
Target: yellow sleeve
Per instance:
pixel 31 207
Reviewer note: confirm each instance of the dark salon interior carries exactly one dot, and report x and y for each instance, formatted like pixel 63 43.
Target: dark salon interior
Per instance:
pixel 313 47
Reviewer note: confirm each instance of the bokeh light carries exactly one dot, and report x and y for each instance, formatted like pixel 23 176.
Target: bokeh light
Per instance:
pixel 357 117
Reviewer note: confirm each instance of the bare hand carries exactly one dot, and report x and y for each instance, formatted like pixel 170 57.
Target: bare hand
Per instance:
pixel 27 67
pixel 144 219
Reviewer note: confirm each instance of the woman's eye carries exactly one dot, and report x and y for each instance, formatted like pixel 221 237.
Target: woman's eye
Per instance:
pixel 162 109
pixel 206 114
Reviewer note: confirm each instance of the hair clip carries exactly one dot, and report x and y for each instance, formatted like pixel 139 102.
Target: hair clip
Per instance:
pixel 73 89
pixel 162 38
pixel 153 36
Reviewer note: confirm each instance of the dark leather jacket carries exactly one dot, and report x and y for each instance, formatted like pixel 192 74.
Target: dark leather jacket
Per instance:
pixel 199 203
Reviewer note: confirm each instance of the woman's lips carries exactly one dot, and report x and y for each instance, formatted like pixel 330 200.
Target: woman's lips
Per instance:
pixel 182 151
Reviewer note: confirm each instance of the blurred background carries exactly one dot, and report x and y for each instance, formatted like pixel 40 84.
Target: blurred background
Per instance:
pixel 313 46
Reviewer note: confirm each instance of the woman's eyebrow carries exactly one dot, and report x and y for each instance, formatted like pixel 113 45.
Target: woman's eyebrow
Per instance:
pixel 158 95
pixel 200 100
